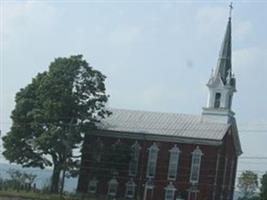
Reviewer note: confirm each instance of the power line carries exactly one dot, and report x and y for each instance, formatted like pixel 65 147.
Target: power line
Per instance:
pixel 254 157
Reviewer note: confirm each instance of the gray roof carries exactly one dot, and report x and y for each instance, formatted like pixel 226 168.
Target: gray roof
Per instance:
pixel 167 124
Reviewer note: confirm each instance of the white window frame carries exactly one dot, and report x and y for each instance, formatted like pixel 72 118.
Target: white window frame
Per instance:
pixel 92 183
pixel 99 143
pixel 130 186
pixel 152 160
pixel 112 183
pixel 169 189
pixel 173 162
pixel 149 184
pixel 133 165
pixel 196 156
pixel 217 100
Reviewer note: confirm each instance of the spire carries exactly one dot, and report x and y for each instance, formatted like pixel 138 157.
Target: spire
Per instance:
pixel 224 65
pixel 222 84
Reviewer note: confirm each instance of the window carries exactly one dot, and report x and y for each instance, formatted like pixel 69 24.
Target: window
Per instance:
pixel 130 189
pixel 92 186
pixel 152 160
pixel 217 100
pixel 112 187
pixel 97 150
pixel 230 101
pixel 133 166
pixel 195 165
pixel 169 192
pixel 149 184
pixel 173 163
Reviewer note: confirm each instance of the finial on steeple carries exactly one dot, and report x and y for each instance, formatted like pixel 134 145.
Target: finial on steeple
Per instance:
pixel 230 10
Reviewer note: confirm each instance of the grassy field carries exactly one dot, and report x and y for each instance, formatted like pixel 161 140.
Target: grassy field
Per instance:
pixel 23 195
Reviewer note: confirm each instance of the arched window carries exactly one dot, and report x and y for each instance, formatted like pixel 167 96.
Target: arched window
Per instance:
pixel 112 187
pixel 152 161
pixel 97 150
pixel 133 165
pixel 195 165
pixel 173 162
pixel 92 187
pixel 130 189
pixel 170 192
pixel 217 101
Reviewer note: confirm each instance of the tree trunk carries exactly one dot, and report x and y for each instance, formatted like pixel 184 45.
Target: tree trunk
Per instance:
pixel 62 182
pixel 55 179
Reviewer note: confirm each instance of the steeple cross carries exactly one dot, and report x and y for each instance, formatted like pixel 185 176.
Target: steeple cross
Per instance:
pixel 231 8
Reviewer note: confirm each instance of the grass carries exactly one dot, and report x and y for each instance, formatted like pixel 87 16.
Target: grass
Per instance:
pixel 38 196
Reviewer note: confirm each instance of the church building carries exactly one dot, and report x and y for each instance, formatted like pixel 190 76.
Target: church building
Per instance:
pixel 174 156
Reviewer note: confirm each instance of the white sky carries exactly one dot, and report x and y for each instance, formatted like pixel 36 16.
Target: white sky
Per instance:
pixel 157 55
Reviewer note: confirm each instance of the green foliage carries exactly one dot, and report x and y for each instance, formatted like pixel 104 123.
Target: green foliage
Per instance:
pixel 250 198
pixel 263 189
pixel 53 113
pixel 13 194
pixel 248 183
pixel 18 180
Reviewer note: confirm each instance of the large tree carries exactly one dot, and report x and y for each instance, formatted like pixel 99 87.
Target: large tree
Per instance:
pixel 52 115
pixel 263 190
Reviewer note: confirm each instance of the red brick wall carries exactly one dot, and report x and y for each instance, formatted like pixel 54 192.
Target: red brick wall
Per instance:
pixel 207 178
pixel 227 155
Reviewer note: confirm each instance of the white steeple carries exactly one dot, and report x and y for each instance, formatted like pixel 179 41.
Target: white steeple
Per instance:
pixel 221 84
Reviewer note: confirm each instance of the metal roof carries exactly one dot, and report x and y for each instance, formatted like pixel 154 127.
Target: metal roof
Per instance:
pixel 167 124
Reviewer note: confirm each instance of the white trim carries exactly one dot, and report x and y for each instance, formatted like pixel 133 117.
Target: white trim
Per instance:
pixel 193 193
pixel 148 186
pixel 130 184
pixel 98 144
pixel 196 153
pixel 173 162
pixel 169 188
pixel 152 161
pixel 160 138
pixel 92 183
pixel 113 183
pixel 135 150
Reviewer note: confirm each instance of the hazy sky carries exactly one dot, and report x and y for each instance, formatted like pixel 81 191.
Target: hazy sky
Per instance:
pixel 157 55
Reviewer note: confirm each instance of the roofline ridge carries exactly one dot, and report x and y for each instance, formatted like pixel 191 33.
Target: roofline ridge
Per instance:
pixel 148 111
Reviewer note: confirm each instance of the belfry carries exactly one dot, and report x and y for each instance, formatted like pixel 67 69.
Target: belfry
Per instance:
pixel 222 83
